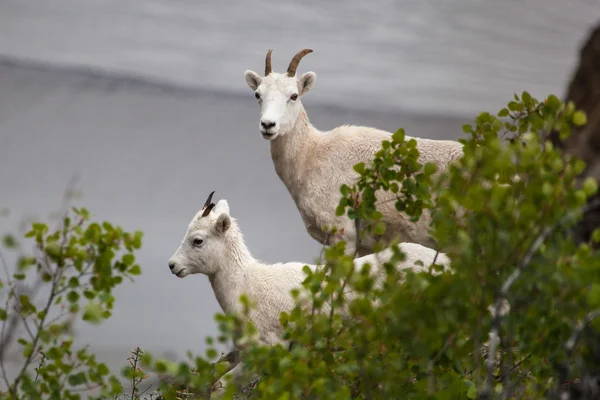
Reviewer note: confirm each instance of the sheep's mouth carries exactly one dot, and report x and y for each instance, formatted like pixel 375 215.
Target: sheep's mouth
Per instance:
pixel 180 274
pixel 267 134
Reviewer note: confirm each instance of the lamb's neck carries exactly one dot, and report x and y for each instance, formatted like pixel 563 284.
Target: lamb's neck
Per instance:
pixel 292 151
pixel 231 279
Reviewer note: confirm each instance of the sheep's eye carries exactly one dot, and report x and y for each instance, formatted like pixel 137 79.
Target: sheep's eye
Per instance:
pixel 294 96
pixel 257 95
pixel 198 242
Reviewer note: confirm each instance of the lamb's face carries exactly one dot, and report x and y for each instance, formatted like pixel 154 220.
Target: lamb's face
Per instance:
pixel 202 246
pixel 279 98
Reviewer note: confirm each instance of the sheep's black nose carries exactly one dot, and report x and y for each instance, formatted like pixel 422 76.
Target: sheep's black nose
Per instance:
pixel 267 124
pixel 171 265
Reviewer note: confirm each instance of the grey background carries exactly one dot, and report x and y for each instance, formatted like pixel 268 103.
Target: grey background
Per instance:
pixel 145 102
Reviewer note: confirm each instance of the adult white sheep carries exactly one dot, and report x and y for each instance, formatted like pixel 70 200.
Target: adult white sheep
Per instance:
pixel 313 164
pixel 213 245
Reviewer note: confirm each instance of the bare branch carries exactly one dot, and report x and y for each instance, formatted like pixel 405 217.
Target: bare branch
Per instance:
pixel 501 298
pixel 570 345
pixel 4 266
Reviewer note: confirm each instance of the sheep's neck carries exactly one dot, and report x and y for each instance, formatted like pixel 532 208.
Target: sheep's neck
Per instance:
pixel 291 151
pixel 231 279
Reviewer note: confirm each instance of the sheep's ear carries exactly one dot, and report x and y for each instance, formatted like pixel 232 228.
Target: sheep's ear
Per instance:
pixel 252 79
pixel 222 207
pixel 223 223
pixel 306 82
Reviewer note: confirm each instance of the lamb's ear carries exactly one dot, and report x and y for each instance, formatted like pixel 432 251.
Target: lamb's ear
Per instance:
pixel 223 223
pixel 306 82
pixel 252 79
pixel 222 207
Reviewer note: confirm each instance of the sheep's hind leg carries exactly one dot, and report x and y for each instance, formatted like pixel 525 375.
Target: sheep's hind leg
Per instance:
pixel 218 389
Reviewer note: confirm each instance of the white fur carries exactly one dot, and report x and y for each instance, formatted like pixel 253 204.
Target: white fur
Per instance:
pixel 233 271
pixel 313 164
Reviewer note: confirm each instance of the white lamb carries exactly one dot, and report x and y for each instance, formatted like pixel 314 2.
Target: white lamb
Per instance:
pixel 213 245
pixel 313 164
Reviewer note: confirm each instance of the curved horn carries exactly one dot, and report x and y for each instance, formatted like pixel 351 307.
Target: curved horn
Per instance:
pixel 207 202
pixel 268 68
pixel 291 71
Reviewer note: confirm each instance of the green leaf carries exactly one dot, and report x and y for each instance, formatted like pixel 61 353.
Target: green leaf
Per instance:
pixel 553 102
pixel 9 241
pixel 92 313
pixel 54 353
pixel 596 235
pixel 360 167
pixel 344 190
pixel 513 106
pixel 25 262
pixel 135 270
pixel 379 228
pixel 3 314
pixel 73 296
pixel 77 379
pixel 590 186
pixel 579 118
pixel 377 215
pixel 430 168
pixel 472 392
pixel 103 369
pixel 128 259
pixel 53 249
pixel 399 136
pixel 594 295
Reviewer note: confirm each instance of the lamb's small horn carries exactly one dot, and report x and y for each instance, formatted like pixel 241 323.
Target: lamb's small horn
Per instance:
pixel 208 209
pixel 268 68
pixel 207 202
pixel 291 71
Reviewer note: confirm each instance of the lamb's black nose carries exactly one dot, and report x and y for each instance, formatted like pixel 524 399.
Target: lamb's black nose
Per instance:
pixel 171 265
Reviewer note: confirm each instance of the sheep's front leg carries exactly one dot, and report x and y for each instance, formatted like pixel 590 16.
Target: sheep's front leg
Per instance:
pixel 218 389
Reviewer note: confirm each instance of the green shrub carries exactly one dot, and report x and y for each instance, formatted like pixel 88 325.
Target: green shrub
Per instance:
pixel 502 214
pixel 75 268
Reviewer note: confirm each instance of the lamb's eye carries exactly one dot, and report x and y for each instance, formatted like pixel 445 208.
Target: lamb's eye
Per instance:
pixel 198 242
pixel 294 96
pixel 257 95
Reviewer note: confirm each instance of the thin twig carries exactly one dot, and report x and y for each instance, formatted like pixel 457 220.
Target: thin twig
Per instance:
pixel 36 340
pixel 570 345
pixel 431 364
pixel 4 266
pixel 358 241
pixel 69 189
pixel 40 365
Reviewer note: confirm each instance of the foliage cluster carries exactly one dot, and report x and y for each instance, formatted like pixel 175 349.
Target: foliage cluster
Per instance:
pixel 503 215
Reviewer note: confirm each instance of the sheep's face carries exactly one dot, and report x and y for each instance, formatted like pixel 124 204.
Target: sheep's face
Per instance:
pixel 203 245
pixel 279 98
